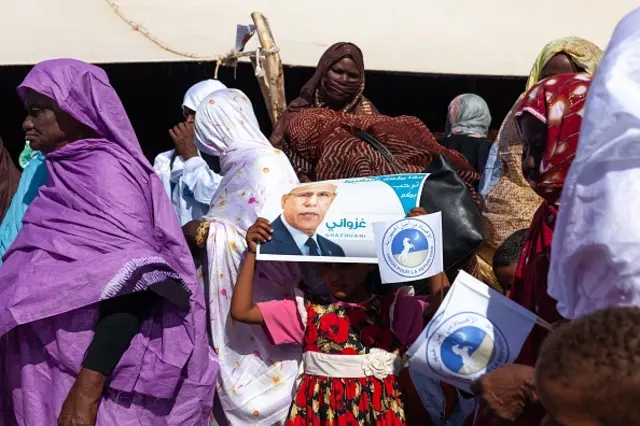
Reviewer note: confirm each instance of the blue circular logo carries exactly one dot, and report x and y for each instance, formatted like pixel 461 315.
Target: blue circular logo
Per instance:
pixel 466 345
pixel 408 247
pixel 467 351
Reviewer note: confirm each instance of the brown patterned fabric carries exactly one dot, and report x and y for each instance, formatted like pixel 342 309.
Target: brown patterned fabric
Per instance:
pixel 324 142
pixel 317 93
pixel 511 203
pixel 9 179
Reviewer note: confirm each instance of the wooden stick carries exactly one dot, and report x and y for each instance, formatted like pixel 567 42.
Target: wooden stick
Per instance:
pixel 272 85
pixel 264 86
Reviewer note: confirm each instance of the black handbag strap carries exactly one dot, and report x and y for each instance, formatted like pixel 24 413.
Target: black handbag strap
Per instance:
pixel 383 150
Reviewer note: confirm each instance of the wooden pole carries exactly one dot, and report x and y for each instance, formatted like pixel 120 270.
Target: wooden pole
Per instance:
pixel 264 88
pixel 272 84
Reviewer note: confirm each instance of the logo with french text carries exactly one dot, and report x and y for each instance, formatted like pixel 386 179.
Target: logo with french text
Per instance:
pixel 408 247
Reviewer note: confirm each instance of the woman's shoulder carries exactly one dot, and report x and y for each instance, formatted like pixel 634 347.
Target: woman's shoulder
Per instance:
pixel 118 160
pixel 163 160
pixel 367 107
pixel 110 170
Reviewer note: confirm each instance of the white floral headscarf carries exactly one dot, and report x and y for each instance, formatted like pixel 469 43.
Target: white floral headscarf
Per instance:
pixel 256 377
pixel 196 93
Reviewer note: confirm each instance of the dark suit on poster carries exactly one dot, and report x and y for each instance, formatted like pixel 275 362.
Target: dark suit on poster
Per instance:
pixel 282 243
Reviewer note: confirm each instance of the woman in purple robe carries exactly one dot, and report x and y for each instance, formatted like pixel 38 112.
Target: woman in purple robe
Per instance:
pixel 102 319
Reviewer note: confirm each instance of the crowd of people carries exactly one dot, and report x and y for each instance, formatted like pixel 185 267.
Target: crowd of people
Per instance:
pixel 131 294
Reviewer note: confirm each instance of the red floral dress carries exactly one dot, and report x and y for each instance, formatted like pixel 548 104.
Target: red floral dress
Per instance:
pixel 348 329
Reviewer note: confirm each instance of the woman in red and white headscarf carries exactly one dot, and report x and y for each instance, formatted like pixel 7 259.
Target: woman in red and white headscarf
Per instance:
pixel 509 202
pixel 548 121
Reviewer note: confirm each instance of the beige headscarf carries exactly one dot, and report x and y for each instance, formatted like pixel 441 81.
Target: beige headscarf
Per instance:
pixel 583 53
pixel 511 203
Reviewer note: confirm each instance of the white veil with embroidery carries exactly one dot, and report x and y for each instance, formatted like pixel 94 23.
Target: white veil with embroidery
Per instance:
pixel 257 379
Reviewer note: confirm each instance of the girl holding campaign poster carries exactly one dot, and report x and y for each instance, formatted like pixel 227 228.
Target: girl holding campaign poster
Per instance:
pixel 353 340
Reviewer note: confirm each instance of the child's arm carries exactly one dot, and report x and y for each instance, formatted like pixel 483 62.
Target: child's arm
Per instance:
pixel 243 308
pixel 439 286
pixel 413 312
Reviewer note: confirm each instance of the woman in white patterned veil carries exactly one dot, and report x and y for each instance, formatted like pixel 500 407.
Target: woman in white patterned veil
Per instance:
pixel 256 378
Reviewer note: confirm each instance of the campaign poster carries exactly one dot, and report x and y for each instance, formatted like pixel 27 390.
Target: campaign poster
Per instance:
pixel 332 221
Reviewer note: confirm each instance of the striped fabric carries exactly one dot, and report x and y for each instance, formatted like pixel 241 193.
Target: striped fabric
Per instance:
pixel 323 142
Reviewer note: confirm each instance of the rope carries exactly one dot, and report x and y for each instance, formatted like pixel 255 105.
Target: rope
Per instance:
pixel 230 59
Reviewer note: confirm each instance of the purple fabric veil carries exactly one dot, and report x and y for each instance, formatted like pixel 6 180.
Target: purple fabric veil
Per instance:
pixel 101 227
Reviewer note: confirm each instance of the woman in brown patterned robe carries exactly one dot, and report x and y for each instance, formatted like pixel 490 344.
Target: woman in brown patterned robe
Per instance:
pixel 337 84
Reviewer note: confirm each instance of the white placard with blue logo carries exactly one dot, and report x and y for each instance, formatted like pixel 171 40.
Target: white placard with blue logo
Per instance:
pixel 475 331
pixel 332 221
pixel 409 249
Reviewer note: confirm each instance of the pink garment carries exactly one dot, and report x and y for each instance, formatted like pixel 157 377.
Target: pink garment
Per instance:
pixel 283 321
pixel 100 228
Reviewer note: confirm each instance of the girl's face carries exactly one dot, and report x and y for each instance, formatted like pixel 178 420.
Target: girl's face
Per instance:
pixel 534 133
pixel 346 281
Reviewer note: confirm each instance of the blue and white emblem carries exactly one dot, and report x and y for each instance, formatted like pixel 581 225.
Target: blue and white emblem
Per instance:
pixel 409 247
pixel 466 345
